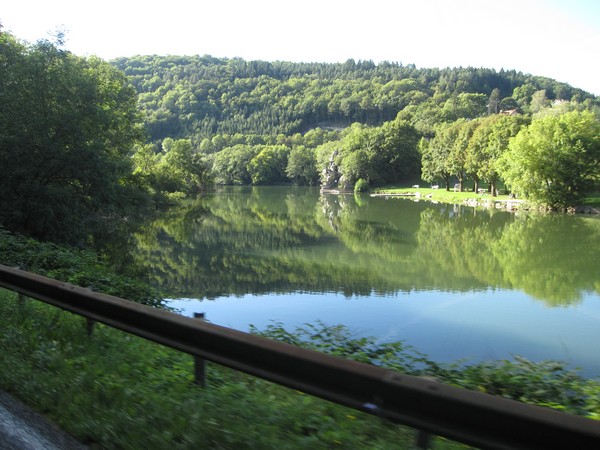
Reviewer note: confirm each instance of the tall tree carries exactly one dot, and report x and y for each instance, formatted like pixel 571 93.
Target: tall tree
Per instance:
pixel 488 143
pixel 181 169
pixel 555 160
pixel 460 132
pixel 268 166
pixel 494 102
pixel 435 157
pixel 68 125
pixel 302 165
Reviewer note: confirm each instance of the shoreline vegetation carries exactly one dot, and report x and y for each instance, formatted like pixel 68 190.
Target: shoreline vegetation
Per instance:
pixel 110 388
pixel 591 205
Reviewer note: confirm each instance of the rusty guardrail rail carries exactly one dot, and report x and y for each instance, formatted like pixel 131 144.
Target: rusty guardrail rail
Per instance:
pixel 471 417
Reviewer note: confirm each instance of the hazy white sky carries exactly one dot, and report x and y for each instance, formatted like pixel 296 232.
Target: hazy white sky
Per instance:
pixel 559 39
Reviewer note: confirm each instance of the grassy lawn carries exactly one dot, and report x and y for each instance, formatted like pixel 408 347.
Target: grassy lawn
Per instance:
pixel 440 195
pixel 443 196
pixel 592 200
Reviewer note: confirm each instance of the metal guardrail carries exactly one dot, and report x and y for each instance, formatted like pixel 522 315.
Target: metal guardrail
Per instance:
pixel 470 417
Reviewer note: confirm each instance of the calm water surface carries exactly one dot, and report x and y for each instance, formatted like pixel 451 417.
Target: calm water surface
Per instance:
pixel 453 282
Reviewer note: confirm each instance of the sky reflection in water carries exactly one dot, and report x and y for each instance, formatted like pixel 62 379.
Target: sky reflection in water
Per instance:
pixel 445 326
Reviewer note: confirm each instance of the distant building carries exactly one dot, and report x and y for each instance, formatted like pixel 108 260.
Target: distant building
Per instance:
pixel 509 112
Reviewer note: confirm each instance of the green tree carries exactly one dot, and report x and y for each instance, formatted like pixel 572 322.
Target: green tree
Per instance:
pixel 487 144
pixel 539 101
pixel 181 169
pixel 230 165
pixel 268 166
pixel 68 127
pixel 555 160
pixel 459 133
pixel 434 160
pixel 302 165
pixel 494 102
pixel 356 165
pixel 465 105
pixel 398 153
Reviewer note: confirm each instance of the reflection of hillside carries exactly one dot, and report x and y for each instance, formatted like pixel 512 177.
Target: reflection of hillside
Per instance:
pixel 374 228
pixel 259 240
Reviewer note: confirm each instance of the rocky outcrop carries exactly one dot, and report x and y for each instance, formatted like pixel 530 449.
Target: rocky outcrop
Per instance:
pixel 332 178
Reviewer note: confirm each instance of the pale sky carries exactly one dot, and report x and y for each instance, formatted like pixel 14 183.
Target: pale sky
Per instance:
pixel 559 39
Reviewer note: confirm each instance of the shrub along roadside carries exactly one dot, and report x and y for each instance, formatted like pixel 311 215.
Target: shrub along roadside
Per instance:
pixel 74 266
pixel 546 383
pixel 112 390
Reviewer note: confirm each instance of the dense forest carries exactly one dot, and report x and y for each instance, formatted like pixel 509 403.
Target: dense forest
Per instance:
pixel 85 141
pixel 67 129
pixel 357 124
pixel 199 97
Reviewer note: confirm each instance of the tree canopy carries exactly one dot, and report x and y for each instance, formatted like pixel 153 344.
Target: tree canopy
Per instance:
pixel 555 160
pixel 68 125
pixel 197 97
pixel 366 118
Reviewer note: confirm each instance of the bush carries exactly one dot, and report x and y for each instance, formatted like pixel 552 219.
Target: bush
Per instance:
pixel 545 383
pixel 361 185
pixel 79 267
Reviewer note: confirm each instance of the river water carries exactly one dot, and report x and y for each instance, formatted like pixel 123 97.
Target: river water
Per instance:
pixel 454 282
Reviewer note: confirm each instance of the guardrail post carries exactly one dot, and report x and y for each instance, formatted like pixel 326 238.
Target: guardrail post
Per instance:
pixel 21 300
pixel 199 363
pixel 423 440
pixel 90 326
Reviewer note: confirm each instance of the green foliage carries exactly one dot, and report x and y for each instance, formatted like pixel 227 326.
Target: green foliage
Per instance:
pixel 177 169
pixel 199 97
pixel 220 104
pixel 268 166
pixel 339 341
pixel 361 186
pixel 555 160
pixel 230 165
pixel 545 383
pixel 68 125
pixel 489 141
pixel 113 390
pixel 379 155
pixel 436 156
pixel 302 165
pixel 78 267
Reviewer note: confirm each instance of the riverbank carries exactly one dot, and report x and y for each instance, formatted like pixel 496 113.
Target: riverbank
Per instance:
pixel 482 199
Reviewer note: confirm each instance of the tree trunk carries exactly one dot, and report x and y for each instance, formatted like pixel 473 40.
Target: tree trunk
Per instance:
pixel 447 182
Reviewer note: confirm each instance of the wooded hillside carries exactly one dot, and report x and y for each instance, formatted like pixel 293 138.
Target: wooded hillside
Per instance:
pixel 198 97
